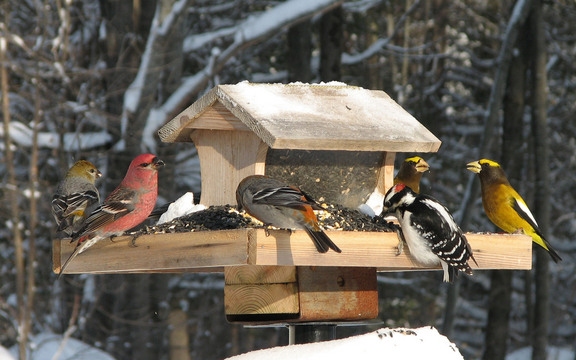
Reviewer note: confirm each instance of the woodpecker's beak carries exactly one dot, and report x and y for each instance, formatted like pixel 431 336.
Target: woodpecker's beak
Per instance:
pixel 422 166
pixel 386 207
pixel 474 166
pixel 98 174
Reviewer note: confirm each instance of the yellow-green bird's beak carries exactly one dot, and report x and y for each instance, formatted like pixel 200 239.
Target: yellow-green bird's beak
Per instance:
pixel 474 166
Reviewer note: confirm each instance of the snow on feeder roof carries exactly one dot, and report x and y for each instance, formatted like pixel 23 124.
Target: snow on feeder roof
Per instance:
pixel 331 116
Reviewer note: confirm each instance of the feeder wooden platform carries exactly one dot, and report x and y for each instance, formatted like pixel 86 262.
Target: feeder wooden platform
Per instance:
pixel 281 277
pixel 212 251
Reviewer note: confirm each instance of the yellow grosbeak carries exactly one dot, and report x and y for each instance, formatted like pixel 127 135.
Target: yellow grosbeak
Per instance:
pixel 411 172
pixel 504 206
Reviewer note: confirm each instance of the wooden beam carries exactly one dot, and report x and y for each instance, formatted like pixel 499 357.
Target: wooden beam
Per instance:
pixel 337 293
pixel 264 294
pixel 217 117
pixel 178 252
pixel 385 175
pixel 261 299
pixel 214 250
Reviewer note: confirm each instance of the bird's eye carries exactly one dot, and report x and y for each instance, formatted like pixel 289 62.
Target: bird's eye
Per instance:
pixel 144 164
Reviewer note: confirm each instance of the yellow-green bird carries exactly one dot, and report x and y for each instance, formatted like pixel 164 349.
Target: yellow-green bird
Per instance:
pixel 411 172
pixel 504 206
pixel 75 197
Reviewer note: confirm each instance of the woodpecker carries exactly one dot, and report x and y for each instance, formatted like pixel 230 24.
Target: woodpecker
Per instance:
pixel 430 231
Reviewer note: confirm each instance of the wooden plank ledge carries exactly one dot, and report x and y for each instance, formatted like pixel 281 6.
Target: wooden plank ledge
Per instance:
pixel 211 251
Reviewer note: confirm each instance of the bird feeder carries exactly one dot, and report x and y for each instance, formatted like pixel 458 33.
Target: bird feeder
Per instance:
pixel 338 143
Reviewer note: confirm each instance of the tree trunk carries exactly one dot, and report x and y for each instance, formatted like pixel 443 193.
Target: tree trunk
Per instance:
pixel 542 193
pixel 127 309
pixel 178 340
pixel 299 52
pixel 498 313
pixel 12 198
pixel 331 40
pixel 512 160
pixel 521 9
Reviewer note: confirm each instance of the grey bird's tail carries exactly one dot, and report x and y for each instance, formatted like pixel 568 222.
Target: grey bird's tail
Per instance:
pixel 322 241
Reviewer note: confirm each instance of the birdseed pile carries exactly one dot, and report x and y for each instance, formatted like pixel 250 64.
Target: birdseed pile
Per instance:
pixel 227 217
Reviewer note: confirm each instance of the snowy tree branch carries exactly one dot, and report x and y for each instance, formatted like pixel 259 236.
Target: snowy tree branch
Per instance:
pixel 23 136
pixel 251 31
pixel 379 44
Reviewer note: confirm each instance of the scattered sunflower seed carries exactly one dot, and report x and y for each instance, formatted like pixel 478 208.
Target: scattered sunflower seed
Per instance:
pixel 334 217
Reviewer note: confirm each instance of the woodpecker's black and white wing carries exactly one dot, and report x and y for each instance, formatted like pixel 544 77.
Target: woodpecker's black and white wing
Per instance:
pixel 430 231
pixel 431 221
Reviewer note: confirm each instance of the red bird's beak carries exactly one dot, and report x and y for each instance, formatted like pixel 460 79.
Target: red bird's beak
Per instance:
pixel 157 163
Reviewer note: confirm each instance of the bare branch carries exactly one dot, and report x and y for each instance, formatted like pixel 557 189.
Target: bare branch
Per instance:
pixel 12 199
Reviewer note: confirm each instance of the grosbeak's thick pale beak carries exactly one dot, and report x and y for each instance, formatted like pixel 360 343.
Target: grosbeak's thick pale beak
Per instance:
pixel 422 166
pixel 474 166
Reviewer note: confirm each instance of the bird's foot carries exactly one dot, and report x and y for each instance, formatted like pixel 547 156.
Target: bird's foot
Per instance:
pixel 133 241
pixel 136 235
pixel 270 227
pixel 401 242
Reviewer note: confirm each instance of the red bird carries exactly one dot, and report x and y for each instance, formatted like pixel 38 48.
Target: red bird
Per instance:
pixel 277 204
pixel 126 207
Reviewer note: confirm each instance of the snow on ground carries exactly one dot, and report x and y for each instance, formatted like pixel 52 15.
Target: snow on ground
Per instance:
pixel 391 344
pixel 400 343
pixel 5 354
pixel 47 345
pixel 554 353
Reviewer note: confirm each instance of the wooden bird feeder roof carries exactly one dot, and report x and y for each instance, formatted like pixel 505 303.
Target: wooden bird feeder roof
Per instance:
pixel 331 116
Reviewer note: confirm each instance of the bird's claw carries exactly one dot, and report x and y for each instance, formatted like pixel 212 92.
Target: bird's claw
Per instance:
pixel 401 242
pixel 133 241
pixel 267 230
pixel 137 234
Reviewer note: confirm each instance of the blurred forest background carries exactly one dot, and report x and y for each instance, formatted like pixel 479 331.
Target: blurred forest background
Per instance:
pixel 95 79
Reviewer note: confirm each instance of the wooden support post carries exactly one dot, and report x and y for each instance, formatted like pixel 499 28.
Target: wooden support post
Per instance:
pixel 227 157
pixel 385 176
pixel 311 333
pixel 271 294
